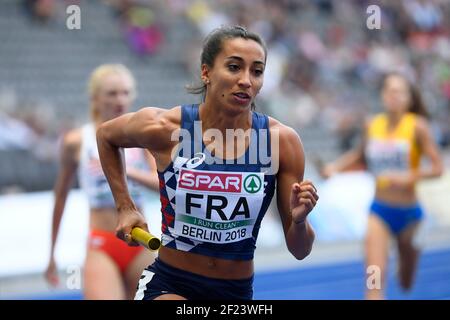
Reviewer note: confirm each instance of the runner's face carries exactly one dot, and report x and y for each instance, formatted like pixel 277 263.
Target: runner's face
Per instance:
pixel 114 96
pixel 237 74
pixel 395 94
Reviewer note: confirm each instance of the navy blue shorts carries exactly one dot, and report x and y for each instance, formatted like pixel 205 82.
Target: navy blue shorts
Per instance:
pixel 397 218
pixel 161 278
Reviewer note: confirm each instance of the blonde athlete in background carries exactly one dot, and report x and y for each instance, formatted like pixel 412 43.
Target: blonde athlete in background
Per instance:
pixel 393 145
pixel 214 192
pixel 112 268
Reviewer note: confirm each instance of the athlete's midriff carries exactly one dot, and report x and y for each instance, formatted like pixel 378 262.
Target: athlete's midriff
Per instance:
pixel 207 266
pixel 394 196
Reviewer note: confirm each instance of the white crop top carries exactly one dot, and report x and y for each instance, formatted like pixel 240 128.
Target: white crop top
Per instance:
pixel 91 176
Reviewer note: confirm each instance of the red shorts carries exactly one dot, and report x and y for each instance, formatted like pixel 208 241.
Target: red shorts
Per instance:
pixel 121 253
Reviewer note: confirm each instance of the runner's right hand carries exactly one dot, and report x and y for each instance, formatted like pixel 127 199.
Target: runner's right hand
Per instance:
pixel 128 219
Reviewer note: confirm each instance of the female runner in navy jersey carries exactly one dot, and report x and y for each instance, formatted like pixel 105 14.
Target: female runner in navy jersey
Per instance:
pixel 218 164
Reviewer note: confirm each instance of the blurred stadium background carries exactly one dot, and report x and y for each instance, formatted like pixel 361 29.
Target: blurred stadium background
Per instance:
pixel 322 78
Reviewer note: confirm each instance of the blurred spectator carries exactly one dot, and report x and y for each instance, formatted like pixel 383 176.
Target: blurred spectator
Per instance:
pixel 425 14
pixel 141 23
pixel 31 127
pixel 143 32
pixel 15 134
pixel 40 10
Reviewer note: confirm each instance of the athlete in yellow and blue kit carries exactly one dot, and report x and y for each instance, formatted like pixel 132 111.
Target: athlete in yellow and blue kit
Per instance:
pixel 392 147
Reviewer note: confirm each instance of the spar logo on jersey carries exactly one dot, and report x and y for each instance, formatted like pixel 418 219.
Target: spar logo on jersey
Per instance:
pixel 230 182
pixel 252 183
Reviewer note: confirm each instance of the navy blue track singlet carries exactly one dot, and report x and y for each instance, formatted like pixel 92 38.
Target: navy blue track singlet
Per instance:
pixel 211 206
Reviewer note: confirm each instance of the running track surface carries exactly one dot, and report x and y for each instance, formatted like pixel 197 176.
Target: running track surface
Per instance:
pixel 341 281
